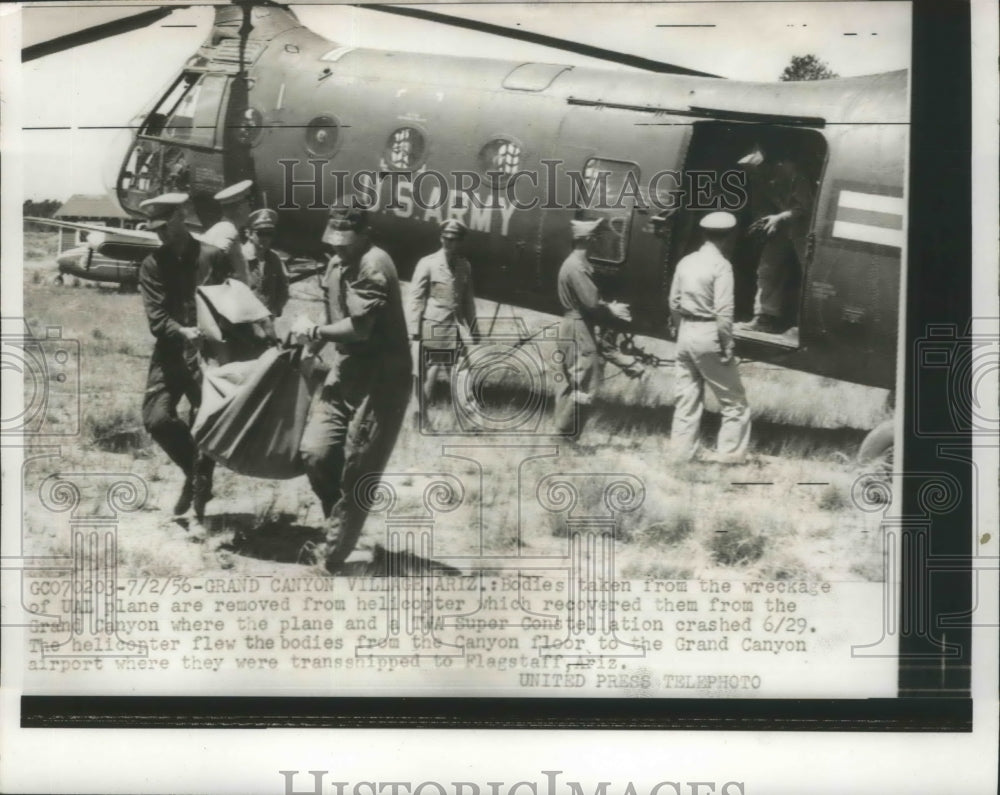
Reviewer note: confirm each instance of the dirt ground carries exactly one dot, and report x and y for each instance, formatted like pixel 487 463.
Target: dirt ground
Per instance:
pixel 787 513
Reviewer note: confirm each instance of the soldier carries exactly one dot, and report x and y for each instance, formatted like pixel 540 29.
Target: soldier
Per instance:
pixel 268 278
pixel 780 200
pixel 167 280
pixel 370 377
pixel 580 346
pixel 701 305
pixel 234 202
pixel 443 307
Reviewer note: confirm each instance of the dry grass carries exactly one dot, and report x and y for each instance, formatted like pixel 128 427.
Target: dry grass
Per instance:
pixel 696 520
pixel 668 531
pixel 40 246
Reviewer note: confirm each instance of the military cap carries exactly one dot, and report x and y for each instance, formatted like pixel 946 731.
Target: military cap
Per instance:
pixel 584 229
pixel 454 229
pixel 263 219
pixel 718 221
pixel 344 224
pixel 234 193
pixel 159 209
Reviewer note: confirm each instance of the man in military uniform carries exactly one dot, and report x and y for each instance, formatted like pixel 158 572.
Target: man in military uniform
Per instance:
pixel 268 279
pixel 234 201
pixel 701 305
pixel 369 378
pixel 780 203
pixel 443 307
pixel 167 280
pixel 580 346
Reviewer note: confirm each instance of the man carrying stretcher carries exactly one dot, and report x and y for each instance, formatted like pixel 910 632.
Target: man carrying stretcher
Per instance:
pixel 369 380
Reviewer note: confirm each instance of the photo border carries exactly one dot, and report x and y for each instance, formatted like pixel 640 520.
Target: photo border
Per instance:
pixel 936 557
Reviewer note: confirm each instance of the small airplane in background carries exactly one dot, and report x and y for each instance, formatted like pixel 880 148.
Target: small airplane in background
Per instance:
pixel 108 255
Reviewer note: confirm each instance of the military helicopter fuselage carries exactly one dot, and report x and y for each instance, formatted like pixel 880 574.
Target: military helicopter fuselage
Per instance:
pixel 497 144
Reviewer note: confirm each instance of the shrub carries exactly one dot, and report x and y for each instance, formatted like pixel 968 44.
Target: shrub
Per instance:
pixel 832 498
pixel 733 543
pixel 668 531
pixel 116 430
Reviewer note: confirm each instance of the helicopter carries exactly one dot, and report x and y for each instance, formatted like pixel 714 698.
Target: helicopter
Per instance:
pixel 498 144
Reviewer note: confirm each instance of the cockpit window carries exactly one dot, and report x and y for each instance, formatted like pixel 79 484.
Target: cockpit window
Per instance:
pixel 189 113
pixel 165 107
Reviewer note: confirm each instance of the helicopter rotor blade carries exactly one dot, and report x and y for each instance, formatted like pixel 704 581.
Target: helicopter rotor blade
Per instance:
pixel 96 33
pixel 588 50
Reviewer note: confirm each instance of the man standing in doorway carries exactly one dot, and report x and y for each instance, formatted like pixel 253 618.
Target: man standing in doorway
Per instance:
pixel 701 305
pixel 780 201
pixel 370 378
pixel 443 307
pixel 167 280
pixel 579 344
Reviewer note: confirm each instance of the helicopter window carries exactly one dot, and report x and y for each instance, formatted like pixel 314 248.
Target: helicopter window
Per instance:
pixel 405 148
pixel 322 136
pixel 189 113
pixel 207 105
pixel 136 174
pixel 609 183
pixel 165 107
pixel 501 155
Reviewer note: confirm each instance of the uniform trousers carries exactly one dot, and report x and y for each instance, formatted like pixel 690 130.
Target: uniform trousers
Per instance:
pixel 440 345
pixel 773 272
pixel 174 374
pixel 699 362
pixel 349 435
pixel 580 366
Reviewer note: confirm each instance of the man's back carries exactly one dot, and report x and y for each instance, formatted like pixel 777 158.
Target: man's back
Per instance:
pixel 225 236
pixel 575 286
pixel 703 285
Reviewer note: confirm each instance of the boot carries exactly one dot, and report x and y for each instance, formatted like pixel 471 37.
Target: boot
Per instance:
pixel 327 505
pixel 183 504
pixel 343 530
pixel 202 493
pixel 765 324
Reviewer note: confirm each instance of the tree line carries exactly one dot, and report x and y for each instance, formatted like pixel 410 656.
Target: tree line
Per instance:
pixel 39 209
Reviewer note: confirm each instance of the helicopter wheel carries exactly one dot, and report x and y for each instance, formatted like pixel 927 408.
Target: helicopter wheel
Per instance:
pixel 59 280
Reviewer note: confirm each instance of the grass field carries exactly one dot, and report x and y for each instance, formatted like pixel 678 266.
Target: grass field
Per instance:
pixel 785 514
pixel 40 247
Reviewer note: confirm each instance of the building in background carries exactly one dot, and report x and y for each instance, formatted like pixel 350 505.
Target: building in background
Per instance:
pixel 98 209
